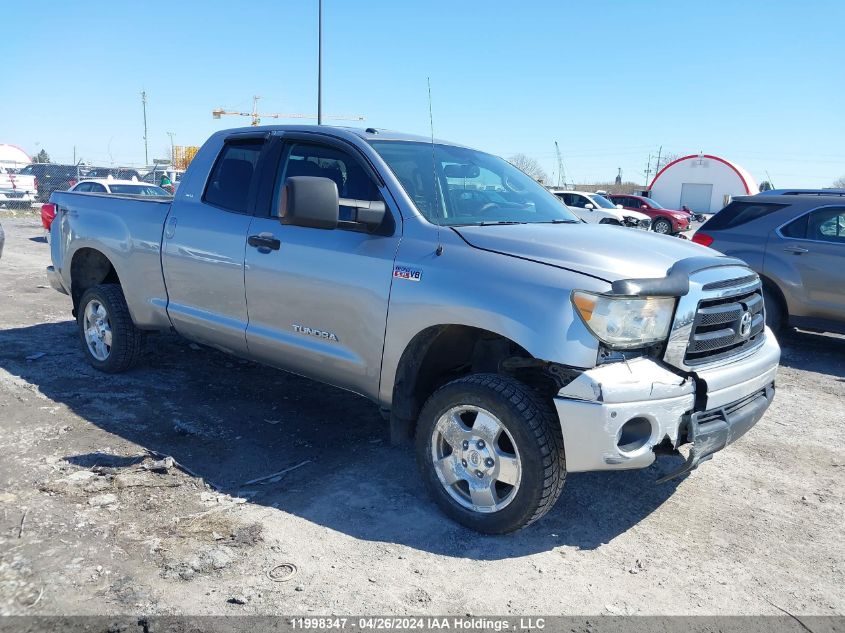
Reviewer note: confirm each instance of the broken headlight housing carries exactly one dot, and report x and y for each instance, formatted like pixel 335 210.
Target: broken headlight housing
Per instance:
pixel 625 322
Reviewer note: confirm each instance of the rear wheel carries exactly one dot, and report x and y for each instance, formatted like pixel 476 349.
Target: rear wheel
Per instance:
pixel 774 310
pixel 110 340
pixel 662 225
pixel 491 453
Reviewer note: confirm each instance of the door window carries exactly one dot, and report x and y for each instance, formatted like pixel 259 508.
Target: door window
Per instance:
pixel 83 187
pixel 353 182
pixel 96 187
pixel 233 176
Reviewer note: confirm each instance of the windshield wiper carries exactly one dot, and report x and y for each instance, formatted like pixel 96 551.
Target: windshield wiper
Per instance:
pixel 561 222
pixel 497 222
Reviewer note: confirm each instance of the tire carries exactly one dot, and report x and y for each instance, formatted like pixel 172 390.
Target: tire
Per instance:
pixel 610 221
pixel 774 310
pixel 662 226
pixel 521 461
pixel 104 309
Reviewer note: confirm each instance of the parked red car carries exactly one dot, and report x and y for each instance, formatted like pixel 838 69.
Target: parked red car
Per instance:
pixel 663 220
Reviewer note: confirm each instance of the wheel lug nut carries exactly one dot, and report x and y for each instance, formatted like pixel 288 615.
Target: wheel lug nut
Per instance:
pixel 464 463
pixel 479 473
pixel 488 462
pixel 480 444
pixel 466 445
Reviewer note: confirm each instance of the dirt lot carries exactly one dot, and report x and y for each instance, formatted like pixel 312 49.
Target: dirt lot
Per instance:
pixel 88 525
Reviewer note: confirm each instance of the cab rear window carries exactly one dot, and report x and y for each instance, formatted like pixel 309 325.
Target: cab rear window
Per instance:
pixel 739 213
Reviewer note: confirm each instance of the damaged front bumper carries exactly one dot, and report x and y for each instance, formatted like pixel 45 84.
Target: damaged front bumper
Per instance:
pixel 618 416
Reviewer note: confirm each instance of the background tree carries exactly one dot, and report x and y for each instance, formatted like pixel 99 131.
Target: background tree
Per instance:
pixel 766 186
pixel 530 166
pixel 839 183
pixel 41 157
pixel 665 159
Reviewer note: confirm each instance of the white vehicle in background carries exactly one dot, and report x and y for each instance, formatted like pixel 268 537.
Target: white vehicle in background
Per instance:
pixel 16 189
pixel 119 187
pixel 596 209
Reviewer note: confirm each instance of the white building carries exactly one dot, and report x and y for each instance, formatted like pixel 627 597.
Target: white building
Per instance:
pixel 13 156
pixel 702 182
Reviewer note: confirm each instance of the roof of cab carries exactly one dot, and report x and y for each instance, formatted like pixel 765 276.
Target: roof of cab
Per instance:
pixel 367 134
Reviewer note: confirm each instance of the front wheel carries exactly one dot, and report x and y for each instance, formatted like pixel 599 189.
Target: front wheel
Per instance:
pixel 490 452
pixel 662 226
pixel 109 338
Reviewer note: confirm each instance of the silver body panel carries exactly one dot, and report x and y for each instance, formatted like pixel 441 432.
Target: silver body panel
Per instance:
pixel 327 304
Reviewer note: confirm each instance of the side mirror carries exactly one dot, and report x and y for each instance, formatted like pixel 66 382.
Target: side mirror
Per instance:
pixel 619 206
pixel 589 206
pixel 643 206
pixel 309 201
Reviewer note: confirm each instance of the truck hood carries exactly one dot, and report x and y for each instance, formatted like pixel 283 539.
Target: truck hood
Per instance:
pixel 610 253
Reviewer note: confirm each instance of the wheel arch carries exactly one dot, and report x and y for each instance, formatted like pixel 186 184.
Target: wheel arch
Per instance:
pixel 89 267
pixel 441 353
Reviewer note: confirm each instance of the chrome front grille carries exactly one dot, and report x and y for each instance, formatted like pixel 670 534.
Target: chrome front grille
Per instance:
pixel 722 316
pixel 726 326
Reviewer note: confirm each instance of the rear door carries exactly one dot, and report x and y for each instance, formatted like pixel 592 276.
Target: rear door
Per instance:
pixel 318 302
pixel 203 249
pixel 813 245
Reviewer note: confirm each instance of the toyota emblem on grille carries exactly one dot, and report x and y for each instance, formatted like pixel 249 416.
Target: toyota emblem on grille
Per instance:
pixel 745 325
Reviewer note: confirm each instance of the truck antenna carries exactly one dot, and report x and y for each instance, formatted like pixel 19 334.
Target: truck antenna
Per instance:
pixel 439 250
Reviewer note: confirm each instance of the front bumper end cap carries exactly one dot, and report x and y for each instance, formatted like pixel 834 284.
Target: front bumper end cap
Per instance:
pixel 711 431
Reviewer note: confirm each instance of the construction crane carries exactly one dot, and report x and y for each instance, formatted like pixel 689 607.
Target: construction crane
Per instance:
pixel 561 176
pixel 256 116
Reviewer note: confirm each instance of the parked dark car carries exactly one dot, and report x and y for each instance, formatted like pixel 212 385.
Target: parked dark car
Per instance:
pixel 667 221
pixel 796 243
pixel 50 177
pixel 120 173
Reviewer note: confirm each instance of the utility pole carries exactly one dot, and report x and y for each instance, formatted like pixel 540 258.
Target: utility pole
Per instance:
pixel 657 167
pixel 648 170
pixel 172 150
pixel 144 105
pixel 319 62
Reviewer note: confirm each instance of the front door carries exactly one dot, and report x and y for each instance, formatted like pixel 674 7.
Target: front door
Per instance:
pixel 318 302
pixel 203 253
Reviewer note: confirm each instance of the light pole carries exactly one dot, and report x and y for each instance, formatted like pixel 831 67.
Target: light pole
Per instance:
pixel 144 105
pixel 172 149
pixel 319 62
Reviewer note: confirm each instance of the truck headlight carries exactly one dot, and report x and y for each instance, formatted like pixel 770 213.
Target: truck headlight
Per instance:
pixel 625 322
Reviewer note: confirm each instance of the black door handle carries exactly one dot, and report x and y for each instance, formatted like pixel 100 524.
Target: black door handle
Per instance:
pixel 264 241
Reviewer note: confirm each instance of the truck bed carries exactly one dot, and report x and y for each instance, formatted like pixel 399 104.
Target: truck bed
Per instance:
pixel 128 230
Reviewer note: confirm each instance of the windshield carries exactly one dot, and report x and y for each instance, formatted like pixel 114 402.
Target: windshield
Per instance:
pixel 457 186
pixel 139 190
pixel 652 203
pixel 601 201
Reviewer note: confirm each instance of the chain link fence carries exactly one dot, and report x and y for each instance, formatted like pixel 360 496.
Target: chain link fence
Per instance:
pixel 24 185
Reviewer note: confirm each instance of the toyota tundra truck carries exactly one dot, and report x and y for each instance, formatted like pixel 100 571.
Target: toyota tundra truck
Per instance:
pixel 506 340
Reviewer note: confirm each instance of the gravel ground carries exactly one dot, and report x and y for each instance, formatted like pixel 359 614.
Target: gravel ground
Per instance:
pixel 90 524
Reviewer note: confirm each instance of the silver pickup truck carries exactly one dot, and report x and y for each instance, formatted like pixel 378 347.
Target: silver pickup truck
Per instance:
pixel 512 341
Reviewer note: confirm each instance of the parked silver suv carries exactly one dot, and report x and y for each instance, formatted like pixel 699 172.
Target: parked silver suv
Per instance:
pixel 795 241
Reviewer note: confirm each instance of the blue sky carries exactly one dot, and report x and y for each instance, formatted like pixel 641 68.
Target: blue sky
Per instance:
pixel 761 83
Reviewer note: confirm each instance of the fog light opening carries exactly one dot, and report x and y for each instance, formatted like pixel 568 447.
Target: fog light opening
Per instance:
pixel 634 434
